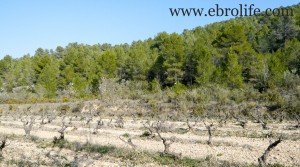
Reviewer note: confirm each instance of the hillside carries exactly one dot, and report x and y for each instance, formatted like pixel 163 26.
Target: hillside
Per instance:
pixel 244 63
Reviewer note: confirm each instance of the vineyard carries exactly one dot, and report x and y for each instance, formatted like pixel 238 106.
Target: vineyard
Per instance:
pixel 88 136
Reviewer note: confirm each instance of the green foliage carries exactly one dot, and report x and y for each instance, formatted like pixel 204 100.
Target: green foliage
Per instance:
pixel 107 65
pixel 232 35
pixel 232 71
pixel 204 66
pixel 75 146
pixel 145 134
pixel 1 83
pixel 48 80
pixel 155 85
pixel 199 65
pixel 165 159
pixel 139 60
pixel 80 85
pixel 172 52
pixel 40 62
pixel 276 68
pixel 178 88
pixel 292 56
pixel 67 75
pixel 64 108
pixel 126 135
pixel 5 64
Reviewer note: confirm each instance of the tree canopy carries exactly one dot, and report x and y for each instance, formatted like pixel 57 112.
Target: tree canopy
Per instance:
pixel 256 51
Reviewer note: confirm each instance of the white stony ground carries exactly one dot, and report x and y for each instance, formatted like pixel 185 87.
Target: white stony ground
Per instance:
pixel 232 148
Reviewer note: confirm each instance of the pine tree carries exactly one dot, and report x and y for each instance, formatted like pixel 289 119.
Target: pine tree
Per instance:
pixel 199 65
pixel 232 71
pixel 107 65
pixel 172 52
pixel 48 79
pixel 80 86
pixel 276 68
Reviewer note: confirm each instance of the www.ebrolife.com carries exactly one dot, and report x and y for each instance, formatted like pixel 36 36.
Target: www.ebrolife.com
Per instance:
pixel 241 10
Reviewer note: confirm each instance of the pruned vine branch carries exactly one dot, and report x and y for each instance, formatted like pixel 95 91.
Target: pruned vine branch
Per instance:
pixel 167 142
pixel 3 145
pixel 190 125
pixel 27 125
pixel 99 124
pixel 64 126
pixel 209 129
pixel 263 158
pixel 150 128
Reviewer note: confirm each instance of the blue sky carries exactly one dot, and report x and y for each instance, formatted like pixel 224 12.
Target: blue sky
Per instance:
pixel 28 25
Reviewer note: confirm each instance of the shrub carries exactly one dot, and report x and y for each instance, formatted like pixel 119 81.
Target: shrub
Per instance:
pixel 178 88
pixel 65 99
pixel 78 108
pixel 64 109
pixel 146 134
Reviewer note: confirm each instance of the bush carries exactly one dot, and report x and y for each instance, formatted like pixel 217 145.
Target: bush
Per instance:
pixel 178 88
pixel 146 134
pixel 64 109
pixel 65 99
pixel 78 108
